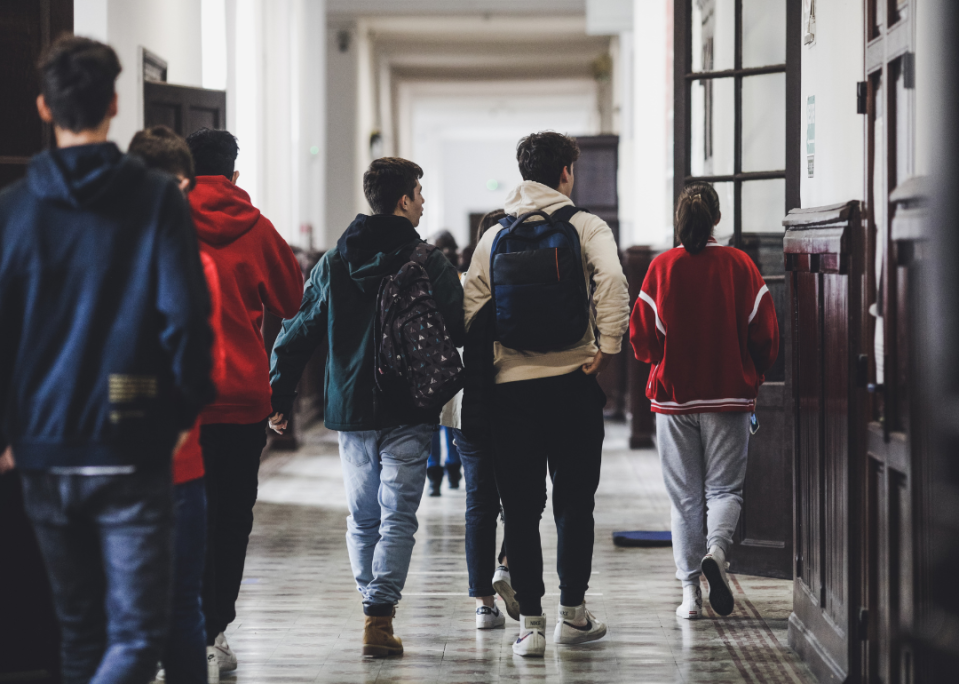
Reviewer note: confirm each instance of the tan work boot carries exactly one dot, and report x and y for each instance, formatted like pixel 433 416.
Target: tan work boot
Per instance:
pixel 378 639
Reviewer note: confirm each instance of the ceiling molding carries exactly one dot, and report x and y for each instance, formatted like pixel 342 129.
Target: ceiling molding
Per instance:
pixel 359 8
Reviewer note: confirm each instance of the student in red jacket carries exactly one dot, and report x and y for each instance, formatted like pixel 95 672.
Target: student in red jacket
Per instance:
pixel 257 270
pixel 186 657
pixel 706 323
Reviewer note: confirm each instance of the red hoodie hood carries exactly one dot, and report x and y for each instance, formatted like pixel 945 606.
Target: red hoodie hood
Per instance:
pixel 222 211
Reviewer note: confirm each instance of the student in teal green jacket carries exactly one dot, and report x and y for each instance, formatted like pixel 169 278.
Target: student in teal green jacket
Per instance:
pixel 384 444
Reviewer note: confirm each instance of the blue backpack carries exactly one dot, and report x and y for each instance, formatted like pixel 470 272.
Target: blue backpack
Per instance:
pixel 537 282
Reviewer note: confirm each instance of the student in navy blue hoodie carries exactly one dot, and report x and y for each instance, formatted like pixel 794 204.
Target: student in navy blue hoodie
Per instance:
pixel 104 366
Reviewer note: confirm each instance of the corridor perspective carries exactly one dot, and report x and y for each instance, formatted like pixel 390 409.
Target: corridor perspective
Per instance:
pixel 441 341
pixel 301 620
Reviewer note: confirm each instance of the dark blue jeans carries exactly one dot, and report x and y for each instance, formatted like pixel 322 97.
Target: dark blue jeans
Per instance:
pixel 107 541
pixel 184 658
pixel 482 507
pixel 436 453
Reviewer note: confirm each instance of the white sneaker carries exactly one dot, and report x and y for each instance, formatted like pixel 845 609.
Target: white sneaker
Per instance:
pixel 225 656
pixel 160 675
pixel 714 567
pixel 489 618
pixel 568 633
pixel 212 666
pixel 692 606
pixel 504 587
pixel 531 642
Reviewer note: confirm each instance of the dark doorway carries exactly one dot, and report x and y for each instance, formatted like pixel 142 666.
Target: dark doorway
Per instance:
pixel 182 108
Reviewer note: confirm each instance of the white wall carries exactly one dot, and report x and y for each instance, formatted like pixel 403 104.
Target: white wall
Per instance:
pixel 830 71
pixel 651 161
pixel 170 29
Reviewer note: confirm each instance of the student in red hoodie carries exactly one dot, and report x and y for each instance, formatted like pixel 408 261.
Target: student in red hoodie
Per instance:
pixel 257 270
pixel 186 658
pixel 706 323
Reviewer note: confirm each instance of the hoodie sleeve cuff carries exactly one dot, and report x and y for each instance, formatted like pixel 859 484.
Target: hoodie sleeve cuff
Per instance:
pixel 610 345
pixel 282 404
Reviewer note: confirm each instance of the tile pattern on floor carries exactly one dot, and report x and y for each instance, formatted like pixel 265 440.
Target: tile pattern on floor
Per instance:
pixel 300 618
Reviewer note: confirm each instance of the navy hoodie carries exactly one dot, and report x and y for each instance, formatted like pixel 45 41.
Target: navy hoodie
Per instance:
pixel 104 339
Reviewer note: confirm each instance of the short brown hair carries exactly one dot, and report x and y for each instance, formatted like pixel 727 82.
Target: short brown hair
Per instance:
pixel 77 77
pixel 387 181
pixel 543 156
pixel 161 148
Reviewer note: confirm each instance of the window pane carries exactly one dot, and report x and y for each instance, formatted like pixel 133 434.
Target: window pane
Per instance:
pixel 764 122
pixel 713 125
pixel 714 34
pixel 764 206
pixel 764 32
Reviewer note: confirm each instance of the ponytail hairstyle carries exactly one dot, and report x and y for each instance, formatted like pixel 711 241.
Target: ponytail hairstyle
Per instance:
pixel 696 213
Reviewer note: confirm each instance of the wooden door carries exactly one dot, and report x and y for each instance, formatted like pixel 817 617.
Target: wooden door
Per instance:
pixel 825 265
pixel 596 189
pixel 29 636
pixel 727 89
pixel 26 28
pixel 182 108
pixel 763 542
pixel 890 530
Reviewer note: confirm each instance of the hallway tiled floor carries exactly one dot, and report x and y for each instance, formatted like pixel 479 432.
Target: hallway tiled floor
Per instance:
pixel 300 618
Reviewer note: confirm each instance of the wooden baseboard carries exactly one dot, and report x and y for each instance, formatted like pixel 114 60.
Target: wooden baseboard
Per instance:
pixel 804 642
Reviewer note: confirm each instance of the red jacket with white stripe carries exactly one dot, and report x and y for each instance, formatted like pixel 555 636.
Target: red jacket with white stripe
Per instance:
pixel 707 325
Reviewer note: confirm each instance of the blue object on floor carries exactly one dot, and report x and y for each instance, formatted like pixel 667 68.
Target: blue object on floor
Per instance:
pixel 643 538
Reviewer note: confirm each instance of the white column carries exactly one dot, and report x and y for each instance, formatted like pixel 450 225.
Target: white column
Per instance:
pixel 652 191
pixel 342 170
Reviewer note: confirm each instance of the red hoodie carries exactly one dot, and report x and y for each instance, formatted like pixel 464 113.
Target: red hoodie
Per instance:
pixel 707 324
pixel 257 269
pixel 188 461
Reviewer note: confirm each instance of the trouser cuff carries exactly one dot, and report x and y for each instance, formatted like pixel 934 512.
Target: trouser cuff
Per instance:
pixel 378 609
pixel 571 600
pixel 483 591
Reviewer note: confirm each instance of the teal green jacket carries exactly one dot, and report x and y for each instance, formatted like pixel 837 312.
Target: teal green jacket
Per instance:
pixel 339 306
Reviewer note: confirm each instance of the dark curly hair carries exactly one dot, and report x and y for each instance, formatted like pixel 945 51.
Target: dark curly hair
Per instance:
pixel 214 152
pixel 161 148
pixel 696 214
pixel 77 77
pixel 388 180
pixel 543 156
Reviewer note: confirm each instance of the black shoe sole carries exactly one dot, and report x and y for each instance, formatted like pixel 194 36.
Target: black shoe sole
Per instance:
pixel 720 597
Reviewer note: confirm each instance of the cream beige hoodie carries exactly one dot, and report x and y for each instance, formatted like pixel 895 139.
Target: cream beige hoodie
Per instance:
pixel 604 272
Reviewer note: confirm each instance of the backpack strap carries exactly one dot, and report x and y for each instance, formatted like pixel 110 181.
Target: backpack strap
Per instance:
pixel 567 212
pixel 421 252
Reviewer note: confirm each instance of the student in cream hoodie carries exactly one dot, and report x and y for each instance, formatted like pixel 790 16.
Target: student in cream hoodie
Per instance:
pixel 547 409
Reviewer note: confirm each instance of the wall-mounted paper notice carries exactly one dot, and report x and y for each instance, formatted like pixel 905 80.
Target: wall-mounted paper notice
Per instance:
pixel 811 135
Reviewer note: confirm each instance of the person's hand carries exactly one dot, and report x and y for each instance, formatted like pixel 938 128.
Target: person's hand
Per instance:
pixel 6 461
pixel 598 365
pixel 279 423
pixel 180 441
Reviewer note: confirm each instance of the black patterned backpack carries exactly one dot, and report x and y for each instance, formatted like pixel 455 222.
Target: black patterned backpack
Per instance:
pixel 414 352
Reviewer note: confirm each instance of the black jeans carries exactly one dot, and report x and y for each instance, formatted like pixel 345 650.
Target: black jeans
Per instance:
pixel 107 541
pixel 482 508
pixel 231 456
pixel 554 423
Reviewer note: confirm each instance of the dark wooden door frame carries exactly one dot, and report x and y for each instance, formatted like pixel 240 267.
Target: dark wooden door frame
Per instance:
pixel 683 79
pixel 182 102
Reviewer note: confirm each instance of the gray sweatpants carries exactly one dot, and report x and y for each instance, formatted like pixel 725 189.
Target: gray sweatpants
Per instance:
pixel 704 464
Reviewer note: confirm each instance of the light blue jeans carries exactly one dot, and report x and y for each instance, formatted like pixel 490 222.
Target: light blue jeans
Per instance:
pixel 384 472
pixel 704 466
